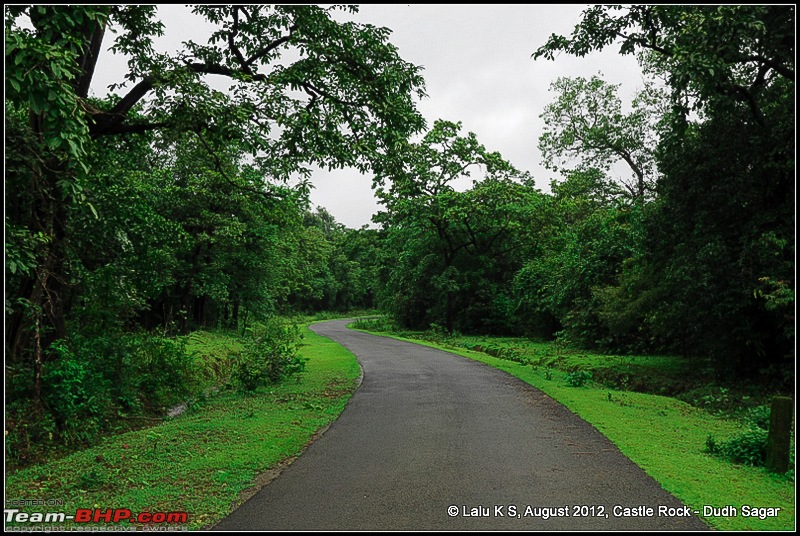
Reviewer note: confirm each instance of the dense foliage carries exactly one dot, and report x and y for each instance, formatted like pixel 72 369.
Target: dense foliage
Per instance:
pixel 169 205
pixel 716 277
pixel 451 255
pixel 693 253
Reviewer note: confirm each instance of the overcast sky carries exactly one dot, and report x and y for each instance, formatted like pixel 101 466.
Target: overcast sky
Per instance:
pixel 478 70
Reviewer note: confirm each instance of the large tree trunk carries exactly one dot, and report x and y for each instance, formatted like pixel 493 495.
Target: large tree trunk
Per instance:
pixel 32 328
pixel 39 317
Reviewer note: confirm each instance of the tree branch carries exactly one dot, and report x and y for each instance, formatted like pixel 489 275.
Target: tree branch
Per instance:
pixel 221 170
pixel 135 128
pixel 212 68
pixel 779 68
pixel 88 61
pixel 635 168
pixel 232 43
pixel 270 47
pixel 311 89
pixel 651 44
pixel 134 95
pixel 746 96
pixel 110 122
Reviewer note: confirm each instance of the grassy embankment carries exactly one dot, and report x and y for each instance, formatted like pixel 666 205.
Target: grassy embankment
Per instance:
pixel 665 436
pixel 202 461
pixel 205 460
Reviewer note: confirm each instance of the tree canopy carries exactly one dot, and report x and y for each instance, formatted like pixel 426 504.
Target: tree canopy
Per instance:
pixel 586 123
pixel 179 200
pixel 206 169
pixel 719 245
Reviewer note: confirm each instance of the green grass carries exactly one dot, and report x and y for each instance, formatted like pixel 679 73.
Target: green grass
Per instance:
pixel 664 436
pixel 201 461
pixel 691 380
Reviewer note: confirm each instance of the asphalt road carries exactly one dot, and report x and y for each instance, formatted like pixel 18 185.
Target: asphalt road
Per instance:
pixel 429 434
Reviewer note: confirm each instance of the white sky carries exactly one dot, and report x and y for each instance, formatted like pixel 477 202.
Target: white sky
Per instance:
pixel 478 70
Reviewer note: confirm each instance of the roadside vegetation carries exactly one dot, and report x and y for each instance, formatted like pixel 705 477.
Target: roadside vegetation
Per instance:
pixel 666 435
pixel 156 233
pixel 140 214
pixel 212 455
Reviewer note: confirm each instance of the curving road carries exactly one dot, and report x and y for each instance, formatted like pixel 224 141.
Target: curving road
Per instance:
pixel 428 431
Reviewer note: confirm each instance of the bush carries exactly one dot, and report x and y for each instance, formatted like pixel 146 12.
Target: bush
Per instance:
pixel 77 395
pixel 92 385
pixel 748 448
pixel 758 417
pixel 579 378
pixel 143 373
pixel 27 430
pixel 89 384
pixel 438 334
pixel 380 324
pixel 269 356
pixel 164 373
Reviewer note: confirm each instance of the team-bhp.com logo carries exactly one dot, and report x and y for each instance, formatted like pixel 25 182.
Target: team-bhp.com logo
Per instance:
pixel 97 515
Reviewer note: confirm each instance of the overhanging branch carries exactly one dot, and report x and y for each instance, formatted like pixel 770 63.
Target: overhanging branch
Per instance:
pixel 270 47
pixel 221 170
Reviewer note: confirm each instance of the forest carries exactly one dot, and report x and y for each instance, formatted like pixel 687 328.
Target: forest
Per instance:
pixel 171 206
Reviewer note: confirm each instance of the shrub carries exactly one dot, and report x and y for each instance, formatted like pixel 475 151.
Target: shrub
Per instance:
pixel 143 373
pixel 379 324
pixel 164 373
pixel 26 430
pixel 269 356
pixel 748 448
pixel 77 395
pixel 578 378
pixel 758 417
pixel 439 334
pixel 711 444
pixel 89 384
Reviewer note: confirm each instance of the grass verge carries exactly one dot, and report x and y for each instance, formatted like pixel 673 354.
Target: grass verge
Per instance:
pixel 206 460
pixel 666 438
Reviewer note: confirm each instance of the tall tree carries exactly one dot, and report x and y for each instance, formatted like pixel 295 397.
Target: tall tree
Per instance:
pixel 452 253
pixel 304 89
pixel 586 124
pixel 720 240
pixel 707 52
pixel 590 230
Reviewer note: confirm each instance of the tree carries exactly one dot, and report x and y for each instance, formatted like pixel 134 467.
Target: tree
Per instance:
pixel 304 89
pixel 735 52
pixel 356 267
pixel 451 253
pixel 336 268
pixel 228 262
pixel 590 231
pixel 586 123
pixel 719 243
